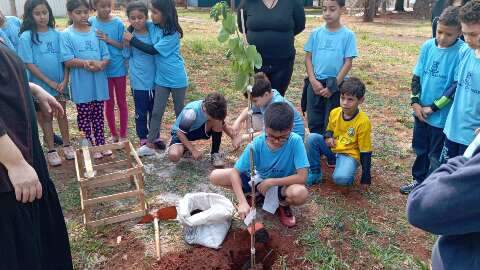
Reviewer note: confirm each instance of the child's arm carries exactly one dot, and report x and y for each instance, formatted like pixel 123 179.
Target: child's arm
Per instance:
pixel 446 98
pixel 103 36
pixel 183 138
pixel 416 89
pixel 135 42
pixel 365 148
pixel 298 178
pixel 66 75
pixel 240 119
pixel 347 66
pixel 316 85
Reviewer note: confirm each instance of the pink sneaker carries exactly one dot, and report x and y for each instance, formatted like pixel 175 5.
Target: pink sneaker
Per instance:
pixel 286 216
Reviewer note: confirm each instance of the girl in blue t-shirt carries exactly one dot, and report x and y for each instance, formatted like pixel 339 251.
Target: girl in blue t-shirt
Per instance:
pixel 10 25
pixel 39 49
pixel 170 74
pixel 141 78
pixel 110 29
pixel 87 57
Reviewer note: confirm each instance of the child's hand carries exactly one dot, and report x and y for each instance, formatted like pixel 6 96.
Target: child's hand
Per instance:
pixel 325 92
pixel 264 186
pixel 127 36
pixel 25 182
pixel 196 154
pixel 330 142
pixel 427 111
pixel 243 210
pixel 102 36
pixel 317 87
pixel 61 87
pixel 52 84
pixel 237 141
pixel 417 109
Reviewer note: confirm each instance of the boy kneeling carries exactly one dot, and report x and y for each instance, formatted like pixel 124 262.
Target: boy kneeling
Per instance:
pixel 347 139
pixel 279 157
pixel 200 120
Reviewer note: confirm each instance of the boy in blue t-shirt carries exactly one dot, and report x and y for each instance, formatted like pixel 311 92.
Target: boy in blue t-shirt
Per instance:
pixel 464 116
pixel 279 158
pixel 262 96
pixel 199 120
pixel 431 95
pixel 330 50
pixel 10 25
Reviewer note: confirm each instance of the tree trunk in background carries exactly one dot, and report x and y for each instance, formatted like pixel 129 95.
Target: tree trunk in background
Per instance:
pixel 423 8
pixel 399 5
pixel 13 8
pixel 370 8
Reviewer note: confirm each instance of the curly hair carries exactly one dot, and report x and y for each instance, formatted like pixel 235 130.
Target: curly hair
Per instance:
pixel 449 17
pixel 353 87
pixel 216 106
pixel 28 23
pixel 470 12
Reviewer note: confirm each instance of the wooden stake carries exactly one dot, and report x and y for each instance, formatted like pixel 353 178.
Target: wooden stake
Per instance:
pixel 157 237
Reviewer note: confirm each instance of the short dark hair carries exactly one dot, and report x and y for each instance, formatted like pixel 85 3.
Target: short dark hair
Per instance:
pixel 353 87
pixel 470 12
pixel 216 106
pixel 278 116
pixel 261 85
pixel 449 17
pixel 341 3
pixel 137 5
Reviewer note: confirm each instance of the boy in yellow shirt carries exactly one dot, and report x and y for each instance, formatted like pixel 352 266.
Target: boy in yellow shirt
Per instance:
pixel 347 139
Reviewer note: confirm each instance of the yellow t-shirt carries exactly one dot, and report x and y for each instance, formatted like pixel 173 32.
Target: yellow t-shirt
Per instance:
pixel 352 136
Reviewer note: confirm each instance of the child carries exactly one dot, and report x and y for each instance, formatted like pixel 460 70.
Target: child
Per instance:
pixel 263 95
pixel 6 41
pixel 347 139
pixel 432 75
pixel 110 29
pixel 200 120
pixel 10 25
pixel 464 116
pixel 279 158
pixel 170 73
pixel 87 57
pixel 330 50
pixel 39 48
pixel 141 78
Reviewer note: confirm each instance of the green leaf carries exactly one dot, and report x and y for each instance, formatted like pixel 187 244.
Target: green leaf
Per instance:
pixel 223 36
pixel 229 24
pixel 241 81
pixel 253 56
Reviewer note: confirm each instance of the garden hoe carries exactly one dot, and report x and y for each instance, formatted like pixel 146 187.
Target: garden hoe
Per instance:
pixel 166 213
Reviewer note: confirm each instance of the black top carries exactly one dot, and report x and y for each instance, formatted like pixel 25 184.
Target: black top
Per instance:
pixel 272 31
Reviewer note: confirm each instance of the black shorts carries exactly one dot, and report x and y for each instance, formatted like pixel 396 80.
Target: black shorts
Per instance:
pixel 193 135
pixel 247 189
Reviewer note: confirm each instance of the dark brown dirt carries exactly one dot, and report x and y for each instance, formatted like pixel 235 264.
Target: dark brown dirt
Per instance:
pixel 234 254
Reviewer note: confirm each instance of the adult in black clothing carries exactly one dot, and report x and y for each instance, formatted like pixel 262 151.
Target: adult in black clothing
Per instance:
pixel 33 234
pixel 271 25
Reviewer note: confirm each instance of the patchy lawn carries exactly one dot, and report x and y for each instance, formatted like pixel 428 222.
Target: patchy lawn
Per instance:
pixel 339 228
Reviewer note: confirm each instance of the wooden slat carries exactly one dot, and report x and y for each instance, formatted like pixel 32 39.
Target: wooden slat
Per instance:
pixel 109 183
pixel 113 197
pixel 112 177
pixel 135 156
pixel 113 163
pixel 88 162
pixel 115 219
pixel 112 146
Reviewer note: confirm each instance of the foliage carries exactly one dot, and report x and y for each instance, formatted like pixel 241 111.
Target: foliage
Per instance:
pixel 244 57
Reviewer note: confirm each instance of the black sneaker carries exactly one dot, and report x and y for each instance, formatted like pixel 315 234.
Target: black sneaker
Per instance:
pixel 57 140
pixel 407 188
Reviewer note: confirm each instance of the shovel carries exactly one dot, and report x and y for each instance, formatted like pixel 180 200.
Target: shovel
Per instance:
pixel 166 213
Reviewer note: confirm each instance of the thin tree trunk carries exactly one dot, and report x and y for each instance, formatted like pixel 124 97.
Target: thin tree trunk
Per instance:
pixel 399 5
pixel 369 13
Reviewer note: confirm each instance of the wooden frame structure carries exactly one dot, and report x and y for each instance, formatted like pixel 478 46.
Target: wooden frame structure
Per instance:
pixel 90 179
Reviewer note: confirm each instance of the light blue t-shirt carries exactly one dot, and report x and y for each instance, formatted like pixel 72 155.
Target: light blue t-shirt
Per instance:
pixel 281 162
pixel 464 116
pixel 436 68
pixel 141 66
pixel 6 40
pixel 170 67
pixel 45 55
pixel 298 126
pixel 329 49
pixel 11 27
pixel 191 118
pixel 85 86
pixel 114 30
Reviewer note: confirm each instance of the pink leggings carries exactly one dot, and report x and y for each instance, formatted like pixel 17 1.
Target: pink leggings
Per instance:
pixel 117 87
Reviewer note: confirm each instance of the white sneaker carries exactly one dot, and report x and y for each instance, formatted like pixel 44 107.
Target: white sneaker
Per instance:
pixel 54 159
pixel 144 150
pixel 107 153
pixel 68 152
pixel 217 160
pixel 97 155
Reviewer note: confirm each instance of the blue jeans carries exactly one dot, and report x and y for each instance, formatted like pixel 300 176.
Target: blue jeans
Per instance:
pixel 143 111
pixel 451 149
pixel 345 168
